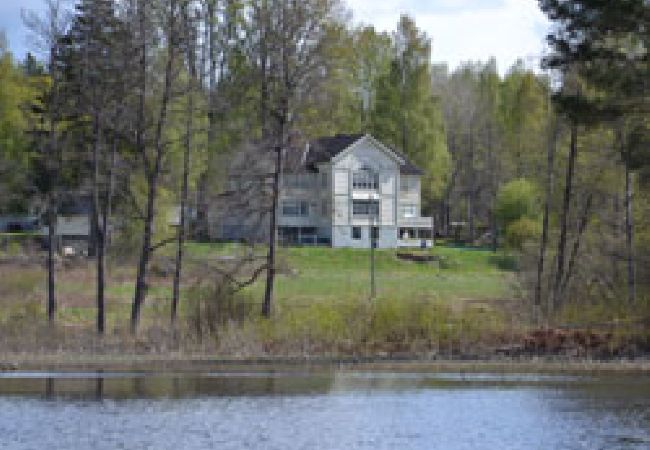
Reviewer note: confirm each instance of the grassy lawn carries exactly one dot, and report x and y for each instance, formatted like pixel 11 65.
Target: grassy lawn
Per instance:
pixel 330 275
pixel 341 274
pixel 310 275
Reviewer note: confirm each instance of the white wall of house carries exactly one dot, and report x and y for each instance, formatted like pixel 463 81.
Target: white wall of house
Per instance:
pixel 73 225
pixel 330 204
pixel 353 230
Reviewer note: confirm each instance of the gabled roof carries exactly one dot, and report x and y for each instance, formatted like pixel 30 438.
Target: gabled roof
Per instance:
pixel 324 149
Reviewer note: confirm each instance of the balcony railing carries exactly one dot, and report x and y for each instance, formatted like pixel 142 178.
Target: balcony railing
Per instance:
pixel 415 222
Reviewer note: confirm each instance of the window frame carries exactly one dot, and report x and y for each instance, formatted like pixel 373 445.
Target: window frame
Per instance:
pixel 365 179
pixel 365 208
pixel 408 183
pixel 295 208
pixel 408 215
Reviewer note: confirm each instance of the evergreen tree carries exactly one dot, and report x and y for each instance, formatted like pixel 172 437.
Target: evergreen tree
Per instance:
pixel 606 44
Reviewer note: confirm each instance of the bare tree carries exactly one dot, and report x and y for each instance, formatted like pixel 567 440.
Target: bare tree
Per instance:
pixel 556 295
pixel 290 60
pixel 190 43
pixel 152 152
pixel 46 32
pixel 548 198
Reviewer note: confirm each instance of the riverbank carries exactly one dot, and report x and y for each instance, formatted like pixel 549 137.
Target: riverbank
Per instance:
pixel 465 307
pixel 177 363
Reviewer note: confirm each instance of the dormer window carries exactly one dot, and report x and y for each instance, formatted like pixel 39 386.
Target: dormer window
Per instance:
pixel 365 179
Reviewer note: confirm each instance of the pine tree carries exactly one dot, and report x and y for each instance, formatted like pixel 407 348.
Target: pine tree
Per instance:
pixel 606 44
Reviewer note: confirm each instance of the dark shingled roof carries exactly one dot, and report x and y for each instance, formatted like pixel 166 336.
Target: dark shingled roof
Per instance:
pixel 324 149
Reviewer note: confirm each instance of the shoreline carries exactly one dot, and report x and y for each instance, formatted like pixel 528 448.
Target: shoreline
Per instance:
pixel 197 364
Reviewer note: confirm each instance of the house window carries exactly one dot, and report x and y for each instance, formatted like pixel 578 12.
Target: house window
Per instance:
pixel 409 211
pixel 365 179
pixel 325 209
pixel 356 233
pixel 323 179
pixel 298 180
pixel 407 184
pixel 365 208
pixel 295 208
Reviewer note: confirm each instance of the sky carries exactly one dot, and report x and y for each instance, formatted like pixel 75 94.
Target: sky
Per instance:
pixel 12 24
pixel 467 30
pixel 461 30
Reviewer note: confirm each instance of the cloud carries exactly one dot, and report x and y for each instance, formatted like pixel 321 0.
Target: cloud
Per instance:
pixel 467 30
pixel 449 6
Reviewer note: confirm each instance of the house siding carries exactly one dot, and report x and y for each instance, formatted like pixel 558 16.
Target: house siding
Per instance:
pixel 330 193
pixel 342 237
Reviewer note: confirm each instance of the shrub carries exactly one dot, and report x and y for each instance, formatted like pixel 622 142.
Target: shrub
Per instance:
pixel 213 306
pixel 516 200
pixel 505 262
pixel 522 231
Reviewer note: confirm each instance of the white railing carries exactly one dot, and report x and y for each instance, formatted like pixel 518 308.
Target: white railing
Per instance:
pixel 415 222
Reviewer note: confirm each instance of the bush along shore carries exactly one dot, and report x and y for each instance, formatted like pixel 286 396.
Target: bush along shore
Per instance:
pixel 367 329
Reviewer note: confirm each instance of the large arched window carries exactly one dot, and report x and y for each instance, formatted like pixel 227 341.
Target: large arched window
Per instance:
pixel 365 178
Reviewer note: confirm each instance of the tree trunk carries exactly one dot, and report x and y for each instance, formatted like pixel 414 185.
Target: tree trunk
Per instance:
pixel 108 205
pixel 493 167
pixel 470 216
pixel 629 233
pixel 152 177
pixel 472 186
pixel 97 230
pixel 433 224
pixel 264 63
pixel 212 76
pixel 189 125
pixel 145 255
pixel 270 270
pixel 582 227
pixel 550 171
pixel 564 218
pixel 494 232
pixel 52 242
pixel 181 228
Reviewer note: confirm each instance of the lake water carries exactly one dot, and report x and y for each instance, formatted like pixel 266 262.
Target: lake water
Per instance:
pixel 322 410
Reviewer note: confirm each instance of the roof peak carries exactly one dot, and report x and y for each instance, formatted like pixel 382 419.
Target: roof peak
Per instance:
pixel 324 148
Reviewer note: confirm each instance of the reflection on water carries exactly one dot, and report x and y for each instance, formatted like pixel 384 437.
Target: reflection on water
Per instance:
pixel 322 410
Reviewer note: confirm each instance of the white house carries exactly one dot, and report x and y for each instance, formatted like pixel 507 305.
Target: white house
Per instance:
pixel 345 189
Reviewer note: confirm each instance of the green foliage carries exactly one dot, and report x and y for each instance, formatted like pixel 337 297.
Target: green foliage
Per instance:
pixel 606 44
pixel 128 232
pixel 516 200
pixel 505 261
pixel 361 327
pixel 407 115
pixel 517 209
pixel 521 231
pixel 15 94
pixel 523 113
